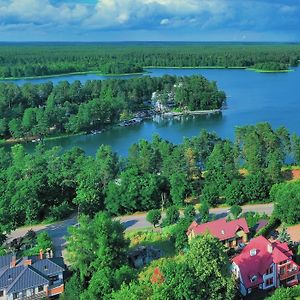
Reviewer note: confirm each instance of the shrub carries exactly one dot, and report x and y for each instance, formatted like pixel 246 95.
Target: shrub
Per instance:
pixel 154 216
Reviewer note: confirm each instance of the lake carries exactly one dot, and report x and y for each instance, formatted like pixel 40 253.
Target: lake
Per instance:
pixel 252 98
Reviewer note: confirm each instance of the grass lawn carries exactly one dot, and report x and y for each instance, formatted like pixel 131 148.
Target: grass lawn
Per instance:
pixel 156 237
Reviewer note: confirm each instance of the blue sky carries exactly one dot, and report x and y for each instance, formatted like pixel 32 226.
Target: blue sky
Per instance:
pixel 154 20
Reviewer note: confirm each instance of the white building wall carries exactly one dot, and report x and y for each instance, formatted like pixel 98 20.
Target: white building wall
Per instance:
pixel 237 274
pixel 269 276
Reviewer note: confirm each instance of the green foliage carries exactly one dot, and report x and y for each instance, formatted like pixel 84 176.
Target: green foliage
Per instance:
pixel 263 150
pixel 220 171
pixel 210 266
pixel 61 211
pixel 252 218
pixel 94 178
pixel 180 236
pixel 36 60
pixel 172 216
pixel 192 92
pixel 271 66
pixel 96 244
pixel 204 212
pixel 272 225
pixel 285 294
pixel 73 288
pixel 296 148
pixel 98 250
pixel 43 242
pixel 40 110
pixel 235 211
pixel 287 202
pixel 49 184
pixel 154 216
pixel 189 212
pixel 234 192
pixel 284 236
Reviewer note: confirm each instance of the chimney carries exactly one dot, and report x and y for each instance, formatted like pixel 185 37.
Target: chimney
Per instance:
pixel 13 262
pixel 41 254
pixel 27 261
pixel 270 248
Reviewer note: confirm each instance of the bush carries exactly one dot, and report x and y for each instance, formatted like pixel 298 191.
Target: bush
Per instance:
pixel 61 211
pixel 190 212
pixel 235 210
pixel 154 216
pixel 172 216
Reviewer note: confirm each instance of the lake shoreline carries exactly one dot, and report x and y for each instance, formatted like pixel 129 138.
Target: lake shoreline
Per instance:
pixel 70 74
pixel 97 73
pixel 37 139
pixel 269 71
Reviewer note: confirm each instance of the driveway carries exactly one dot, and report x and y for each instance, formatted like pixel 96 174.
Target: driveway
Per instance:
pixel 58 231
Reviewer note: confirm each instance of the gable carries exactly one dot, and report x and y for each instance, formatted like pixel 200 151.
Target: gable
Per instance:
pixel 28 278
pixel 48 266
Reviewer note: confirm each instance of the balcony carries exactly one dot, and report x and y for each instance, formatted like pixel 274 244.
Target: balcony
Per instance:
pixel 38 296
pixel 56 289
pixel 289 273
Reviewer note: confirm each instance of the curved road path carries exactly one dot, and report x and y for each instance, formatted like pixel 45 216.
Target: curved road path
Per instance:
pixel 58 231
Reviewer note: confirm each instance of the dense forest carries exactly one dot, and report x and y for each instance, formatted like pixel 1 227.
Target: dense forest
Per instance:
pixel 48 59
pixel 51 184
pixel 44 109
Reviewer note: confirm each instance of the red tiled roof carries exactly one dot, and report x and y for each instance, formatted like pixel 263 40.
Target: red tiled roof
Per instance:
pixel 262 260
pixel 221 229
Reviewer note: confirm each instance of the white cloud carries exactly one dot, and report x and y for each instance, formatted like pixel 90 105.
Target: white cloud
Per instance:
pixel 165 22
pixel 135 15
pixel 40 12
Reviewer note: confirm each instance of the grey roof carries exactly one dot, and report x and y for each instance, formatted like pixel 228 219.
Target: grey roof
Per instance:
pixel 49 266
pixel 8 275
pixel 28 278
pixel 5 260
pixel 22 277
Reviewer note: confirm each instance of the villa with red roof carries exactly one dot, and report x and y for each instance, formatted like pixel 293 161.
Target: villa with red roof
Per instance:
pixel 231 233
pixel 264 265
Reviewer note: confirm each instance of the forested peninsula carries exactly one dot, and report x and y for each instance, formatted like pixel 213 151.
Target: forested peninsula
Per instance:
pixel 41 110
pixel 28 60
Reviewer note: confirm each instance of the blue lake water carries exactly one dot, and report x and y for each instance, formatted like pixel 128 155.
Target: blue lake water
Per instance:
pixel 252 98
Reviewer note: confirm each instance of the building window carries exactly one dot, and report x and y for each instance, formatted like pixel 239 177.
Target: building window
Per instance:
pixel 41 288
pixel 269 282
pixel 1 293
pixel 15 296
pixel 270 270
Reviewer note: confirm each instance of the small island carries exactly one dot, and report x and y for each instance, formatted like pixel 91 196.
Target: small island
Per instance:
pixel 269 67
pixel 34 112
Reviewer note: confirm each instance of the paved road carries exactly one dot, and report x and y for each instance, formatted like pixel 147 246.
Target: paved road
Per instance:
pixel 59 231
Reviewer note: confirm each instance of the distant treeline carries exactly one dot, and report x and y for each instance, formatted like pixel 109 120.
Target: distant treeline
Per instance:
pixel 50 184
pixel 48 59
pixel 39 110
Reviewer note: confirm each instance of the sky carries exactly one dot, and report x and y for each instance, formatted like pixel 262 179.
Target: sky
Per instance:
pixel 150 20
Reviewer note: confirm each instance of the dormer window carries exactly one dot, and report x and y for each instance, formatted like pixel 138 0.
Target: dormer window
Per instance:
pixel 223 232
pixel 45 268
pixel 253 278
